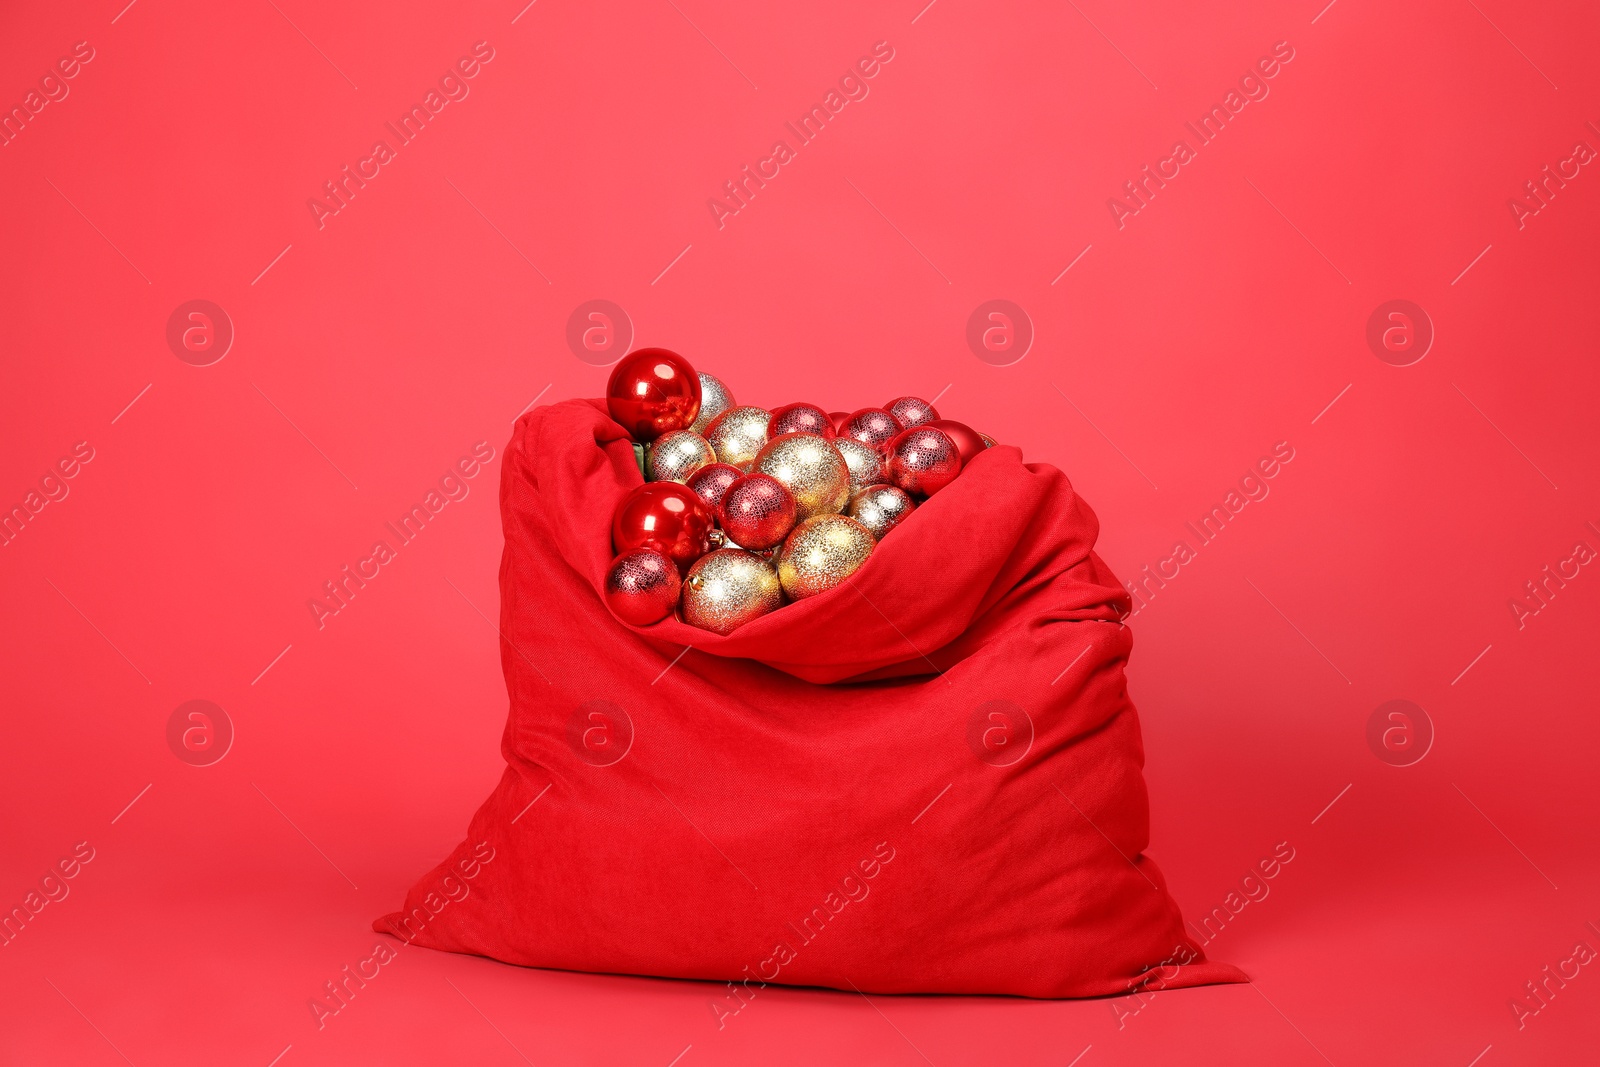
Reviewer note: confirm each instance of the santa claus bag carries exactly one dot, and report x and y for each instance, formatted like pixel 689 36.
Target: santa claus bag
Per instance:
pixel 926 780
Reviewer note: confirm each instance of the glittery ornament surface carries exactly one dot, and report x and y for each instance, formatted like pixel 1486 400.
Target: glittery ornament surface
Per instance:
pixel 911 411
pixel 811 468
pixel 821 553
pixel 873 427
pixel 738 434
pixel 675 456
pixel 715 398
pixel 923 460
pixel 642 587
pixel 652 392
pixel 968 441
pixel 800 418
pixel 757 511
pixel 865 462
pixel 711 481
pixel 880 508
pixel 729 588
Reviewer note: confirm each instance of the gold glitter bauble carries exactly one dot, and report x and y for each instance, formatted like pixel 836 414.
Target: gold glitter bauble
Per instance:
pixel 865 463
pixel 714 400
pixel 738 434
pixel 812 469
pixel 675 456
pixel 728 588
pixel 821 553
pixel 880 508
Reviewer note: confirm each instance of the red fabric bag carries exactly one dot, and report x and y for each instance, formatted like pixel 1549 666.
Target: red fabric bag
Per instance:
pixel 926 780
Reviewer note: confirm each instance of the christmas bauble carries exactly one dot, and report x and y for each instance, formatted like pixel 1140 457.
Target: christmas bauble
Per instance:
pixel 969 442
pixel 988 442
pixel 923 460
pixel 738 434
pixel 839 418
pixel 821 553
pixel 865 463
pixel 873 427
pixel 800 418
pixel 711 481
pixel 675 456
pixel 880 508
pixel 642 587
pixel 757 511
pixel 652 392
pixel 911 411
pixel 715 398
pixel 729 588
pixel 810 468
pixel 664 516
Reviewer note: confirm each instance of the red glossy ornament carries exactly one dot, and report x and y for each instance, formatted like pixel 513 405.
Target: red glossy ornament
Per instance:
pixel 665 516
pixel 873 427
pixel 757 511
pixel 839 419
pixel 923 460
pixel 711 481
pixel 969 441
pixel 642 587
pixel 800 418
pixel 652 392
pixel 911 411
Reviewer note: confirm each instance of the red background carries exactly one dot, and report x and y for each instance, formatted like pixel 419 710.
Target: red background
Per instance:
pixel 1222 318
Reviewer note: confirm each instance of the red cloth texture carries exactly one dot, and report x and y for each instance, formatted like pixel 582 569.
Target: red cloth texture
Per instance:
pixel 927 780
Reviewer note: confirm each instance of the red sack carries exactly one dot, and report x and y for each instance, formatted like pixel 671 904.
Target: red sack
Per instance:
pixel 927 780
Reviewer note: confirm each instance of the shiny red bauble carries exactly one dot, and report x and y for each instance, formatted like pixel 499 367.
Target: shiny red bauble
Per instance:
pixel 969 441
pixel 839 418
pixel 800 418
pixel 873 427
pixel 911 411
pixel 642 587
pixel 667 517
pixel 711 481
pixel 652 392
pixel 757 511
pixel 923 460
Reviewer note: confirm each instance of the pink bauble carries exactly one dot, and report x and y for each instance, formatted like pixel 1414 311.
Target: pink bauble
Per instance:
pixel 923 460
pixel 800 418
pixel 642 587
pixel 873 427
pixel 968 440
pixel 757 511
pixel 911 411
pixel 711 481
